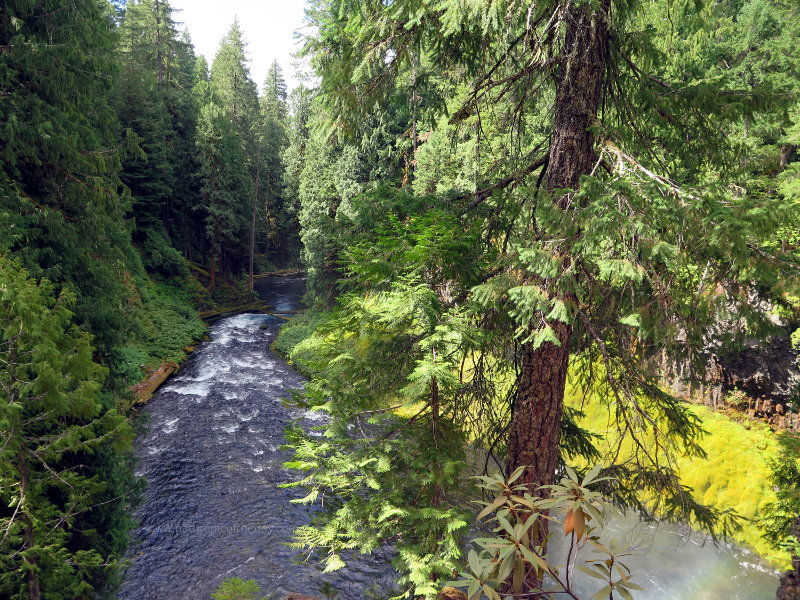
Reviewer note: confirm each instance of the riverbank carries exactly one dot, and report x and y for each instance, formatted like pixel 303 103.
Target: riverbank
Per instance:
pixel 192 309
pixel 735 475
pixel 210 449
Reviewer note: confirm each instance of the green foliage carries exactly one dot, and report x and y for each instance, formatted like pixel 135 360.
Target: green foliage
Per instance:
pixel 780 515
pixel 512 565
pixel 60 152
pixel 225 182
pixel 99 149
pixel 166 322
pixel 278 204
pixel 235 588
pixel 669 229
pixel 160 257
pixel 292 334
pixel 50 414
pixel 397 345
pixel 231 85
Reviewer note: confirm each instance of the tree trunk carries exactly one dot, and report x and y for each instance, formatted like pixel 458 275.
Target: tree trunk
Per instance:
pixel 251 275
pixel 34 592
pixel 786 154
pixel 538 406
pixel 212 270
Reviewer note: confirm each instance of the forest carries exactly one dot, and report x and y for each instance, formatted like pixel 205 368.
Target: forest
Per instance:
pixel 551 258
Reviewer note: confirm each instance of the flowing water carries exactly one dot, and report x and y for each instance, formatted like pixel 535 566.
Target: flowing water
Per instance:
pixel 211 455
pixel 210 451
pixel 673 563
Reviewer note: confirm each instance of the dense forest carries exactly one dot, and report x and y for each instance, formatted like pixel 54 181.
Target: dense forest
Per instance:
pixel 527 229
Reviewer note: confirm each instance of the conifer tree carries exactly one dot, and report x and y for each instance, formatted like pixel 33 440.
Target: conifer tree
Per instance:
pixel 228 165
pixel 184 106
pixel 280 217
pixel 225 185
pixel 231 85
pixel 607 262
pixel 156 102
pixel 50 411
pixel 293 157
pixel 60 156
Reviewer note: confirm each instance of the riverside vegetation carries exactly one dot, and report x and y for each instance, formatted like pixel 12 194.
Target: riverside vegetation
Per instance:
pixel 122 213
pixel 509 213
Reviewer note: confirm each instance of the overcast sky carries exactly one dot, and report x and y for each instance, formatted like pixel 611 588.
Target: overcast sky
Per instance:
pixel 268 27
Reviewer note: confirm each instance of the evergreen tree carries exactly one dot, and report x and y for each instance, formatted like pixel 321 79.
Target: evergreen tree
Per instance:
pixel 60 152
pixel 229 170
pixel 293 157
pixel 231 85
pixel 50 411
pixel 225 185
pixel 280 215
pixel 185 108
pixel 157 103
pixel 604 261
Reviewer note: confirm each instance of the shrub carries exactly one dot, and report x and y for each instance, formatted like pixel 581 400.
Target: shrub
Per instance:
pixel 161 257
pixel 235 588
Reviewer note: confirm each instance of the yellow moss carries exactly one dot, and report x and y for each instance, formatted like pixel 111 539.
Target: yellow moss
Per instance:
pixel 734 475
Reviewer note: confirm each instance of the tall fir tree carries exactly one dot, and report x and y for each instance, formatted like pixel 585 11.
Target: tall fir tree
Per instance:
pixel 233 92
pixel 280 216
pixel 225 187
pixel 157 104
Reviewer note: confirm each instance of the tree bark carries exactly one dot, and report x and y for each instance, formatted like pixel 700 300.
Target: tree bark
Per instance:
pixel 212 270
pixel 538 406
pixel 251 274
pixel 34 592
pixel 786 154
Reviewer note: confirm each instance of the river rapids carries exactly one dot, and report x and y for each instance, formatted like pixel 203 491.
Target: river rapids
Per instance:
pixel 210 451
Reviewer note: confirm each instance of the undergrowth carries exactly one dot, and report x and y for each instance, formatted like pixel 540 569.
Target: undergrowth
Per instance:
pixel 734 475
pixel 164 322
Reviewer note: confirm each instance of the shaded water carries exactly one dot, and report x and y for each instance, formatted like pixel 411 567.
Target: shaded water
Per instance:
pixel 210 453
pixel 213 508
pixel 672 563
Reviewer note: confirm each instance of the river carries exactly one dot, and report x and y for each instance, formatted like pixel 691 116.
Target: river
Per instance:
pixel 210 452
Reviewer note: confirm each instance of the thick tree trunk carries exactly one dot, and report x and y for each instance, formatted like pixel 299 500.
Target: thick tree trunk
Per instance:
pixel 538 406
pixel 786 154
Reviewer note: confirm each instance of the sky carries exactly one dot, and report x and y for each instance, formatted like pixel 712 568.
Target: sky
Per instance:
pixel 268 27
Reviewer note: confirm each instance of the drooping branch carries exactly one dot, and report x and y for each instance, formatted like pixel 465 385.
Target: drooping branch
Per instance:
pixel 481 195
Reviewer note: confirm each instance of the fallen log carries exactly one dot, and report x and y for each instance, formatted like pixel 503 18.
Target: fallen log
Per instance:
pixel 143 390
pixel 218 313
pixel 278 316
pixel 279 273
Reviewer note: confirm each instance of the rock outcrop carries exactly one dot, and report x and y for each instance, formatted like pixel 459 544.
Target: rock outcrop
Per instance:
pixel 762 381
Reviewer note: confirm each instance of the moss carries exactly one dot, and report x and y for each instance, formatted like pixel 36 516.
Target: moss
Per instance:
pixel 734 475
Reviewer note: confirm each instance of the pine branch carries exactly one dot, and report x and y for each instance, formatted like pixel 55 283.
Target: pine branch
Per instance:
pixel 502 184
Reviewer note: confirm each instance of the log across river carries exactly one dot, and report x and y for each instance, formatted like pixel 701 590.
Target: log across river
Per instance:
pixel 210 452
